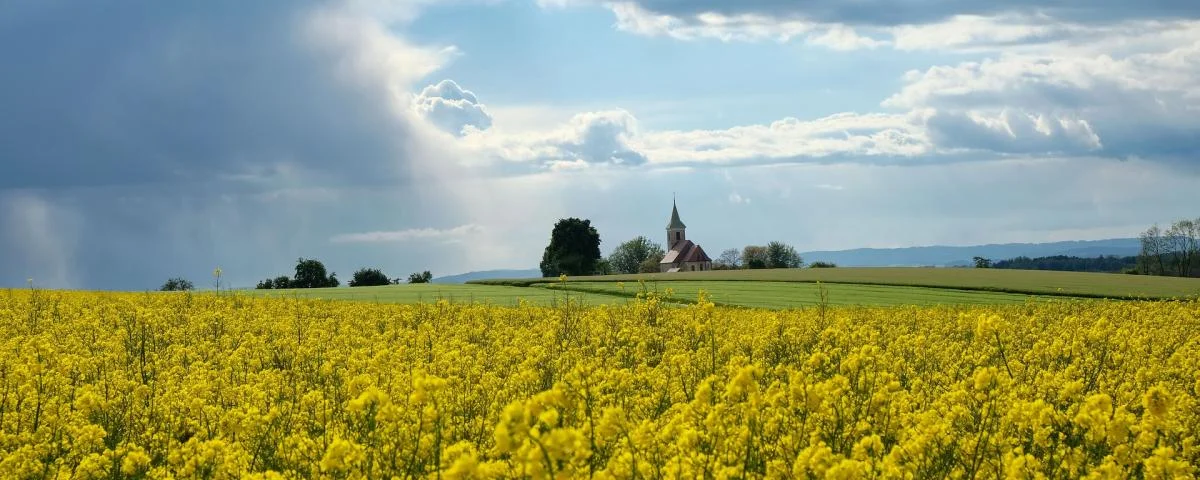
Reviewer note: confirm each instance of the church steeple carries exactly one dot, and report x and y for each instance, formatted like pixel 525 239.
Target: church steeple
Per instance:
pixel 676 230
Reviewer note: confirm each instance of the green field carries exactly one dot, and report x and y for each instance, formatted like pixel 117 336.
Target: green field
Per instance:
pixel 796 294
pixel 457 293
pixel 1035 282
pixel 785 288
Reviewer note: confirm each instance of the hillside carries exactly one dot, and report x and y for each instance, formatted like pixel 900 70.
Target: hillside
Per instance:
pixel 940 256
pixel 488 274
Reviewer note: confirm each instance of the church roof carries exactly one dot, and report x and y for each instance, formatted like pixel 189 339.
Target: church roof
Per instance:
pixel 695 255
pixel 685 251
pixel 675 222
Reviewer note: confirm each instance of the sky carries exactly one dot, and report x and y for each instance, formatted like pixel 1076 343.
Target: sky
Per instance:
pixel 144 140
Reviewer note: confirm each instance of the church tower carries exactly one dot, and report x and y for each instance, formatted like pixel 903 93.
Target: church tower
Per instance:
pixel 675 229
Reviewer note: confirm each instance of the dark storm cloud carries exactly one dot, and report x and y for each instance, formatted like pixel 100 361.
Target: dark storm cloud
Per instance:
pixel 146 139
pixel 140 92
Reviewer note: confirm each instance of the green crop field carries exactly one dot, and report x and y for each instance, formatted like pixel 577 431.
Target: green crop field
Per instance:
pixel 1037 282
pixel 785 288
pixel 796 294
pixel 731 293
pixel 457 293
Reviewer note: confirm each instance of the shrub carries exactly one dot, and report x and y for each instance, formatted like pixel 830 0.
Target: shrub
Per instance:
pixel 369 277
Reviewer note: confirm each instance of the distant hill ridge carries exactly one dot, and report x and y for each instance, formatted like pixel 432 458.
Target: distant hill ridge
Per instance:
pixel 488 274
pixel 936 255
pixel 949 256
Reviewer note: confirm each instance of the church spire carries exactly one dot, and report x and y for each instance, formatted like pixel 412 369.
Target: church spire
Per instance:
pixel 675 222
pixel 676 230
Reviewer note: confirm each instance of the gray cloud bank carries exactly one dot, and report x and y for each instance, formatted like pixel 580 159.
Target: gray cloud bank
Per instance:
pixel 145 139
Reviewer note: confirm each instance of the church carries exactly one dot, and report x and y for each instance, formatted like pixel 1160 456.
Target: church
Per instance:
pixel 683 255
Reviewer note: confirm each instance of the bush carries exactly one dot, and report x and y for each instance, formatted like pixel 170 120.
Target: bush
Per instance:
pixel 819 264
pixel 423 277
pixel 369 277
pixel 650 265
pixel 177 284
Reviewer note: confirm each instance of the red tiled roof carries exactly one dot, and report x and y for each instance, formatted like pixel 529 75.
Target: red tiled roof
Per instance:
pixel 696 255
pixel 685 251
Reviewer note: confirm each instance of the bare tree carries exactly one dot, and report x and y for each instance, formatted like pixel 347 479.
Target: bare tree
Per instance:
pixel 730 259
pixel 1180 242
pixel 1152 258
pixel 1195 247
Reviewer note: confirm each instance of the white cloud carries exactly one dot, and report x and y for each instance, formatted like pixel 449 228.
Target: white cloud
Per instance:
pixel 367 54
pixel 601 137
pixel 612 138
pixel 1012 131
pixel 791 139
pixel 411 234
pixel 841 37
pixel 452 108
pixel 1143 103
pixel 735 198
pixel 971 26
pixel 631 17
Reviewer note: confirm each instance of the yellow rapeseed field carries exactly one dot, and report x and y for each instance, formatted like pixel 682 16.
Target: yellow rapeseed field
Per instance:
pixel 99 385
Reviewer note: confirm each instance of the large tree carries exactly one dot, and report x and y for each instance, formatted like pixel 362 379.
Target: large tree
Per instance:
pixel 628 257
pixel 574 249
pixel 311 274
pixel 754 257
pixel 1171 251
pixel 782 255
pixel 1152 258
pixel 1182 243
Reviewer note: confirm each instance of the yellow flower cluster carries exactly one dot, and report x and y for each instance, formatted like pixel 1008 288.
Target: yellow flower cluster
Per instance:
pixel 108 385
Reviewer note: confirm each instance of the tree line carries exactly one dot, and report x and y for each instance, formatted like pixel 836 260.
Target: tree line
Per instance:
pixel 311 273
pixel 574 249
pixel 1174 251
pixel 772 255
pixel 1065 263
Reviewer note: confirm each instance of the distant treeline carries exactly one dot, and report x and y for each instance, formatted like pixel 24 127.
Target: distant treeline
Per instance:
pixel 1107 264
pixel 1173 252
